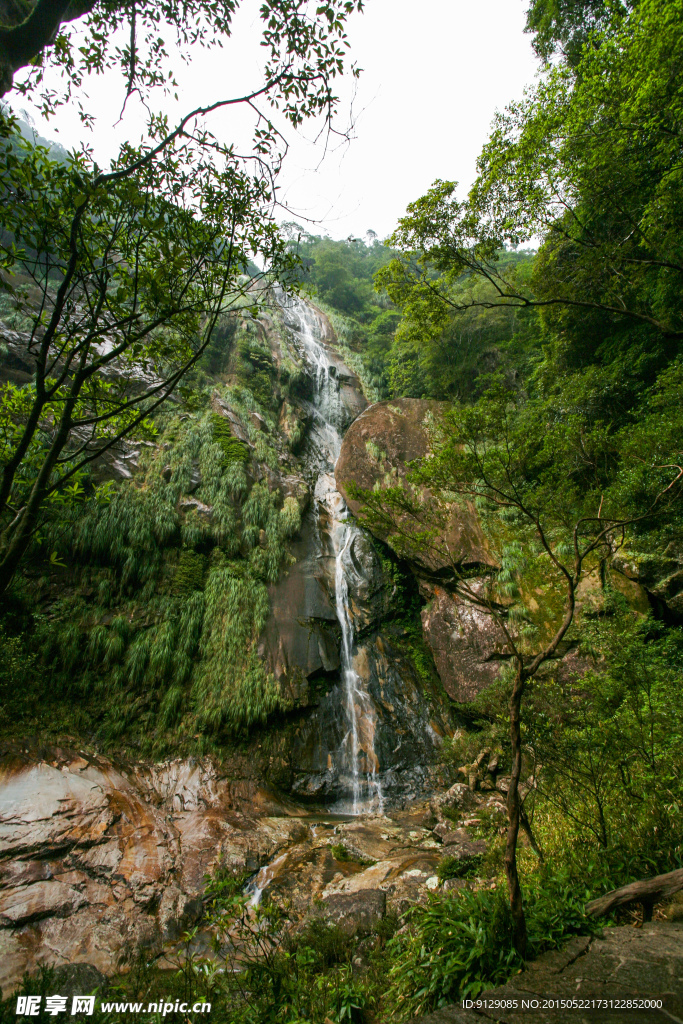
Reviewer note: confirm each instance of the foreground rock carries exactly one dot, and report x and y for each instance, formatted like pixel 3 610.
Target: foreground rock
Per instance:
pixel 98 861
pixel 628 964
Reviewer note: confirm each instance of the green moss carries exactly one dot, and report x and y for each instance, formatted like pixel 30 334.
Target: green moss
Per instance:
pixel 232 448
pixel 341 854
pixel 189 574
pixel 458 867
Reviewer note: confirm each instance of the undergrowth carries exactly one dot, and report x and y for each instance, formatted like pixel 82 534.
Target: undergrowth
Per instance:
pixel 143 625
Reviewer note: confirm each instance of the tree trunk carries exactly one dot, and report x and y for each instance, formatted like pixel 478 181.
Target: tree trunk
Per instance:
pixel 514 809
pixel 648 892
pixel 18 542
pixel 21 43
pixel 533 842
pixel 10 563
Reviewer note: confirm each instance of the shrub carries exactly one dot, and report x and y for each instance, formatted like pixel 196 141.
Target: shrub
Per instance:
pixel 233 450
pixel 458 867
pixel 321 944
pixel 461 943
pixel 189 574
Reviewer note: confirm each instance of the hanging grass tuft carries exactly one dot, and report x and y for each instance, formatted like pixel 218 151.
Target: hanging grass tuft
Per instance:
pixel 231 689
pixel 189 574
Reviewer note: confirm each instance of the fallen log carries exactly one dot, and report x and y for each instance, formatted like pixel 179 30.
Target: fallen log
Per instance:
pixel 648 892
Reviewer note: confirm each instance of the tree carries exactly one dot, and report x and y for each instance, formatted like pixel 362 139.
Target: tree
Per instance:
pixel 557 492
pixel 565 26
pixel 583 453
pixel 39 34
pixel 588 162
pixel 122 275
pixel 610 742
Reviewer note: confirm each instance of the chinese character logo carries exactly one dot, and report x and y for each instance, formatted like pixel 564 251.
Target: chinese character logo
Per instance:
pixel 28 1006
pixel 55 1004
pixel 83 1004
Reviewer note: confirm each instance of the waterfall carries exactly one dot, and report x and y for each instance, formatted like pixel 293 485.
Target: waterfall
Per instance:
pixel 357 749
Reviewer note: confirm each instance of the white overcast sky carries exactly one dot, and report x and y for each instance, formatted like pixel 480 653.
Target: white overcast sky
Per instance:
pixel 434 73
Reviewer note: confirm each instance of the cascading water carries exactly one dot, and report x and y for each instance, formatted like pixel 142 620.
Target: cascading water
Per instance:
pixel 358 759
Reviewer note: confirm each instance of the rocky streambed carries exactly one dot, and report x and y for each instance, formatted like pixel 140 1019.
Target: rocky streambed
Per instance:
pixel 98 860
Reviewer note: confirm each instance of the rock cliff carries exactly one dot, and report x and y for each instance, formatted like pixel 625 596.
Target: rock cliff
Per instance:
pixel 378 448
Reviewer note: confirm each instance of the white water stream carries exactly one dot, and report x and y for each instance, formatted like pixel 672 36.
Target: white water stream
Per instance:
pixel 265 876
pixel 357 756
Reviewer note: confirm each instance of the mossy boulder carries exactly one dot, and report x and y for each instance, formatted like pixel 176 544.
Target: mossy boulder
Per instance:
pixel 377 449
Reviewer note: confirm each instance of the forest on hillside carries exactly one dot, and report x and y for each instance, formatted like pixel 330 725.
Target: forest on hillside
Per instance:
pixel 151 394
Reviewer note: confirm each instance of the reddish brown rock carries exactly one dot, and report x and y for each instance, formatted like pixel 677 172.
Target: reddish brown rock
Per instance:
pixel 377 448
pixel 96 860
pixel 467 645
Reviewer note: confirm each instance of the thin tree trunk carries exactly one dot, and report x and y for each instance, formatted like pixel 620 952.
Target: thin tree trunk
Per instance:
pixel 21 538
pixel 514 815
pixel 526 826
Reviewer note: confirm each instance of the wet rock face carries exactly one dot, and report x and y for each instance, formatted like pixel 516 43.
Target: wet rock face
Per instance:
pixel 371 590
pixel 301 638
pixel 467 645
pixel 400 738
pixel 96 861
pixel 393 734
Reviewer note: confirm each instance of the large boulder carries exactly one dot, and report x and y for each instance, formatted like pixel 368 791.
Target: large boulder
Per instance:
pixel 467 645
pixel 356 913
pixel 377 449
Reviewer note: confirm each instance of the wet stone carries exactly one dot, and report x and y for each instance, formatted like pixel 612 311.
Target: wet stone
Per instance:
pixel 357 913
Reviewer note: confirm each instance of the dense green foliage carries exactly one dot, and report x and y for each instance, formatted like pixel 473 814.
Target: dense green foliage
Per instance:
pixel 568 440
pixel 565 26
pixel 122 274
pixel 138 615
pixel 155 591
pixel 401 350
pixel 611 743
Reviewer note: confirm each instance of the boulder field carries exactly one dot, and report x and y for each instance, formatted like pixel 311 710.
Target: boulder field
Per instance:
pixel 99 860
